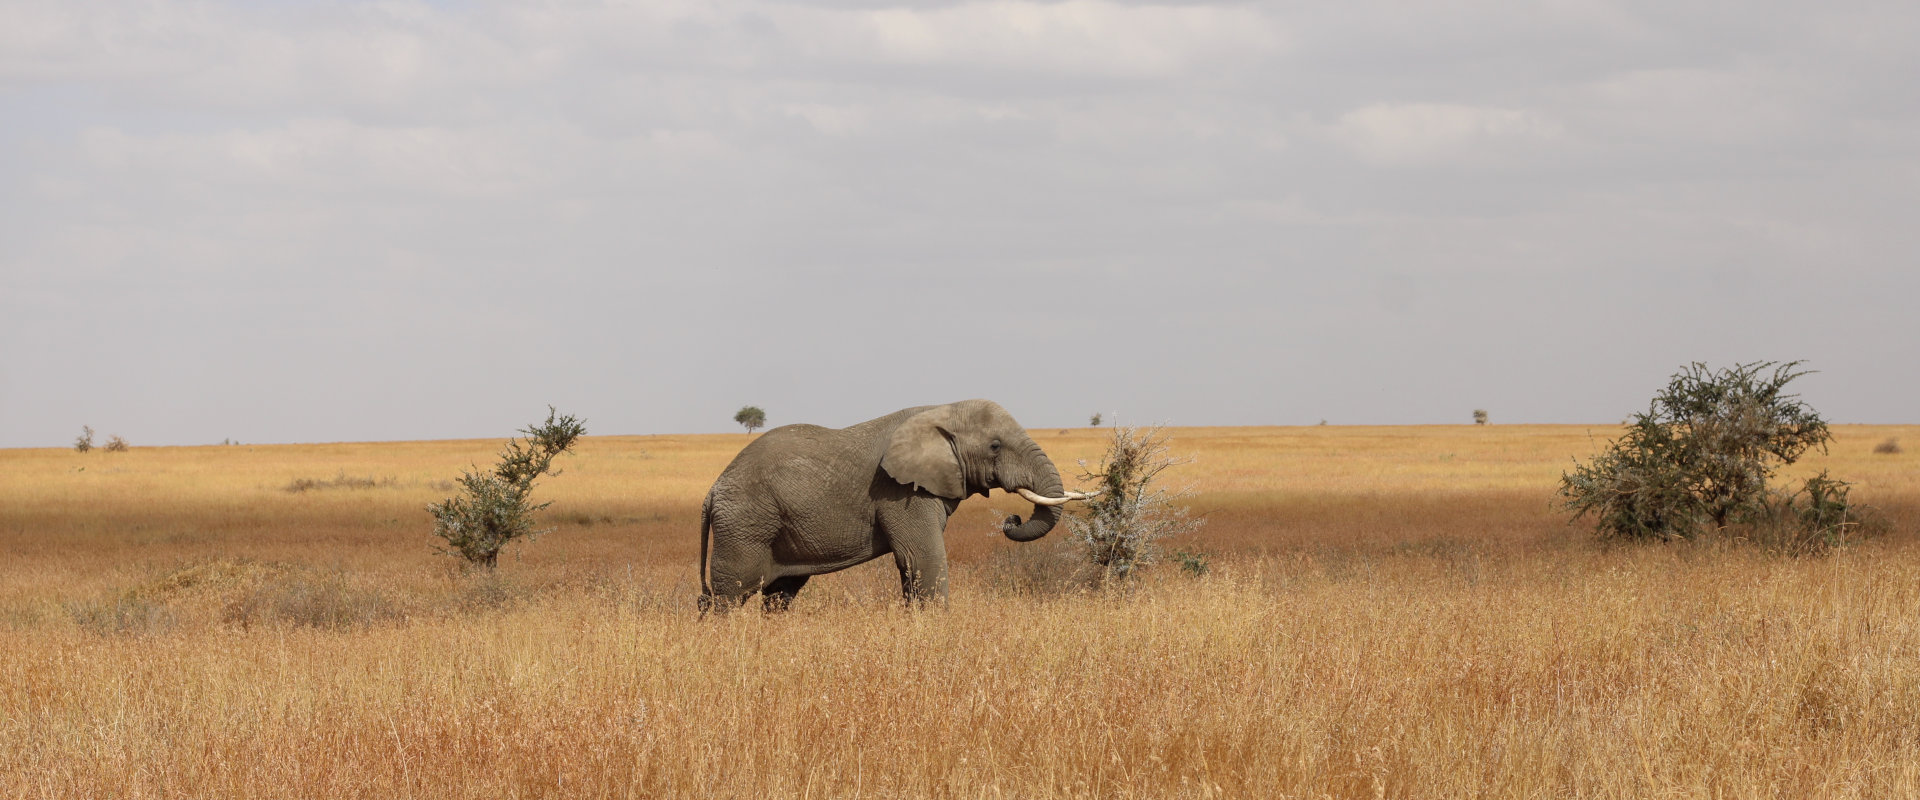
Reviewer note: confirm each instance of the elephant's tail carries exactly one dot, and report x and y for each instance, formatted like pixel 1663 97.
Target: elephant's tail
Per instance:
pixel 706 546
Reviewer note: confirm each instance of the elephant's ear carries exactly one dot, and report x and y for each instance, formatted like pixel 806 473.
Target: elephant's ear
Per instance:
pixel 921 453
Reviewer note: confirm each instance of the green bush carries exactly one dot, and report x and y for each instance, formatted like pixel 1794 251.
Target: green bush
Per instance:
pixel 1193 562
pixel 494 508
pixel 1699 459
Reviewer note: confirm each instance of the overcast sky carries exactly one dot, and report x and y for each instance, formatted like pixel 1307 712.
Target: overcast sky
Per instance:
pixel 306 221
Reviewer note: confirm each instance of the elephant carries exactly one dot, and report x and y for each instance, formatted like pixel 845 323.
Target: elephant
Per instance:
pixel 803 500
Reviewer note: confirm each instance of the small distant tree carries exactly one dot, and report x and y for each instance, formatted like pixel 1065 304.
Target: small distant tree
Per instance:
pixel 1094 421
pixel 751 417
pixel 1120 529
pixel 492 509
pixel 84 441
pixel 115 444
pixel 1479 416
pixel 1700 457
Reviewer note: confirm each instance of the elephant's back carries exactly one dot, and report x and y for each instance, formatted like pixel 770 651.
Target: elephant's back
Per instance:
pixel 794 452
pixel 801 475
pixel 783 441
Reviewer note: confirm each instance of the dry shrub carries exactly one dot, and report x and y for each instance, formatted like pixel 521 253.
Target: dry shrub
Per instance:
pixel 212 578
pixel 161 604
pixel 487 591
pixel 115 444
pixel 311 599
pixel 339 481
pixel 1890 447
pixel 1121 528
pixel 1046 568
pixel 584 519
pixel 122 615
pixel 241 592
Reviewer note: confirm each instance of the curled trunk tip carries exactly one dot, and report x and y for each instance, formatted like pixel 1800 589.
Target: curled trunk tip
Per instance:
pixel 1044 518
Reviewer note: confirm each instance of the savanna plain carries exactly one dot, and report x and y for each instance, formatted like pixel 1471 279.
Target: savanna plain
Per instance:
pixel 1387 612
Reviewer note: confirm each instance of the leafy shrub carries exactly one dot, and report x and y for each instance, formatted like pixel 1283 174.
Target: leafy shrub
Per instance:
pixel 1699 459
pixel 494 510
pixel 1890 447
pixel 1815 519
pixel 84 441
pixel 1479 416
pixel 1192 562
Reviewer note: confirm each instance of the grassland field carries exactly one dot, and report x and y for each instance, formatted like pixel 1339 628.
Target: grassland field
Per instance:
pixel 1390 612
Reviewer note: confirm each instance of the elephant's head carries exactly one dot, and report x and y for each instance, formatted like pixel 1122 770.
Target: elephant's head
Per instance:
pixel 966 448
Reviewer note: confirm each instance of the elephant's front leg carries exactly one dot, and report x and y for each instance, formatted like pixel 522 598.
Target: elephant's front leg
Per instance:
pixel 918 536
pixel 923 572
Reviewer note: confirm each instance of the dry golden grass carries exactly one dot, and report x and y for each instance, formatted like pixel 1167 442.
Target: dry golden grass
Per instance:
pixel 1394 612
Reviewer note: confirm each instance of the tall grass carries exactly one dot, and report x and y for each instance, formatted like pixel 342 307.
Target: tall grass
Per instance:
pixel 1391 613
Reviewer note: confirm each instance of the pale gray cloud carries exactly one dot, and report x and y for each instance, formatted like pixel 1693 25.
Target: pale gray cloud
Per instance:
pixel 303 221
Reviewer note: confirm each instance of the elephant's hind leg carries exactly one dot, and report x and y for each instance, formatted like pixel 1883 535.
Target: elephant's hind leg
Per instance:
pixel 734 573
pixel 778 595
pixel 715 603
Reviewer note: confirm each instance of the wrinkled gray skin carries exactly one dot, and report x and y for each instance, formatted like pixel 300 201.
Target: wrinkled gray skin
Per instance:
pixel 803 500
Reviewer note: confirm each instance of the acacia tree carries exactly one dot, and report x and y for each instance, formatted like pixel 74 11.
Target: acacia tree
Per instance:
pixel 493 510
pixel 1700 457
pixel 1120 528
pixel 751 417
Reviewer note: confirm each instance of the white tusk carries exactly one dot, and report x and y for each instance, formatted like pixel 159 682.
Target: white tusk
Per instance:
pixel 1043 500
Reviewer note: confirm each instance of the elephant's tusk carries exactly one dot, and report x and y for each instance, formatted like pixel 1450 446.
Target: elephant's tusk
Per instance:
pixel 1042 500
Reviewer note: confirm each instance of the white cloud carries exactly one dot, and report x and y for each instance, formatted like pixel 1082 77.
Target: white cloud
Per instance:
pixel 696 165
pixel 331 153
pixel 1740 105
pixel 831 120
pixel 1074 37
pixel 1436 133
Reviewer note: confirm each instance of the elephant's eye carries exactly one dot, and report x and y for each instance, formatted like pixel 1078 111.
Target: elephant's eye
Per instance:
pixel 994 445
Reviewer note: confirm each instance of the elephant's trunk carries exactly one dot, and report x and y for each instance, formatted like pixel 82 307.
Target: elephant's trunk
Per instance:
pixel 1043 520
pixel 1046 482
